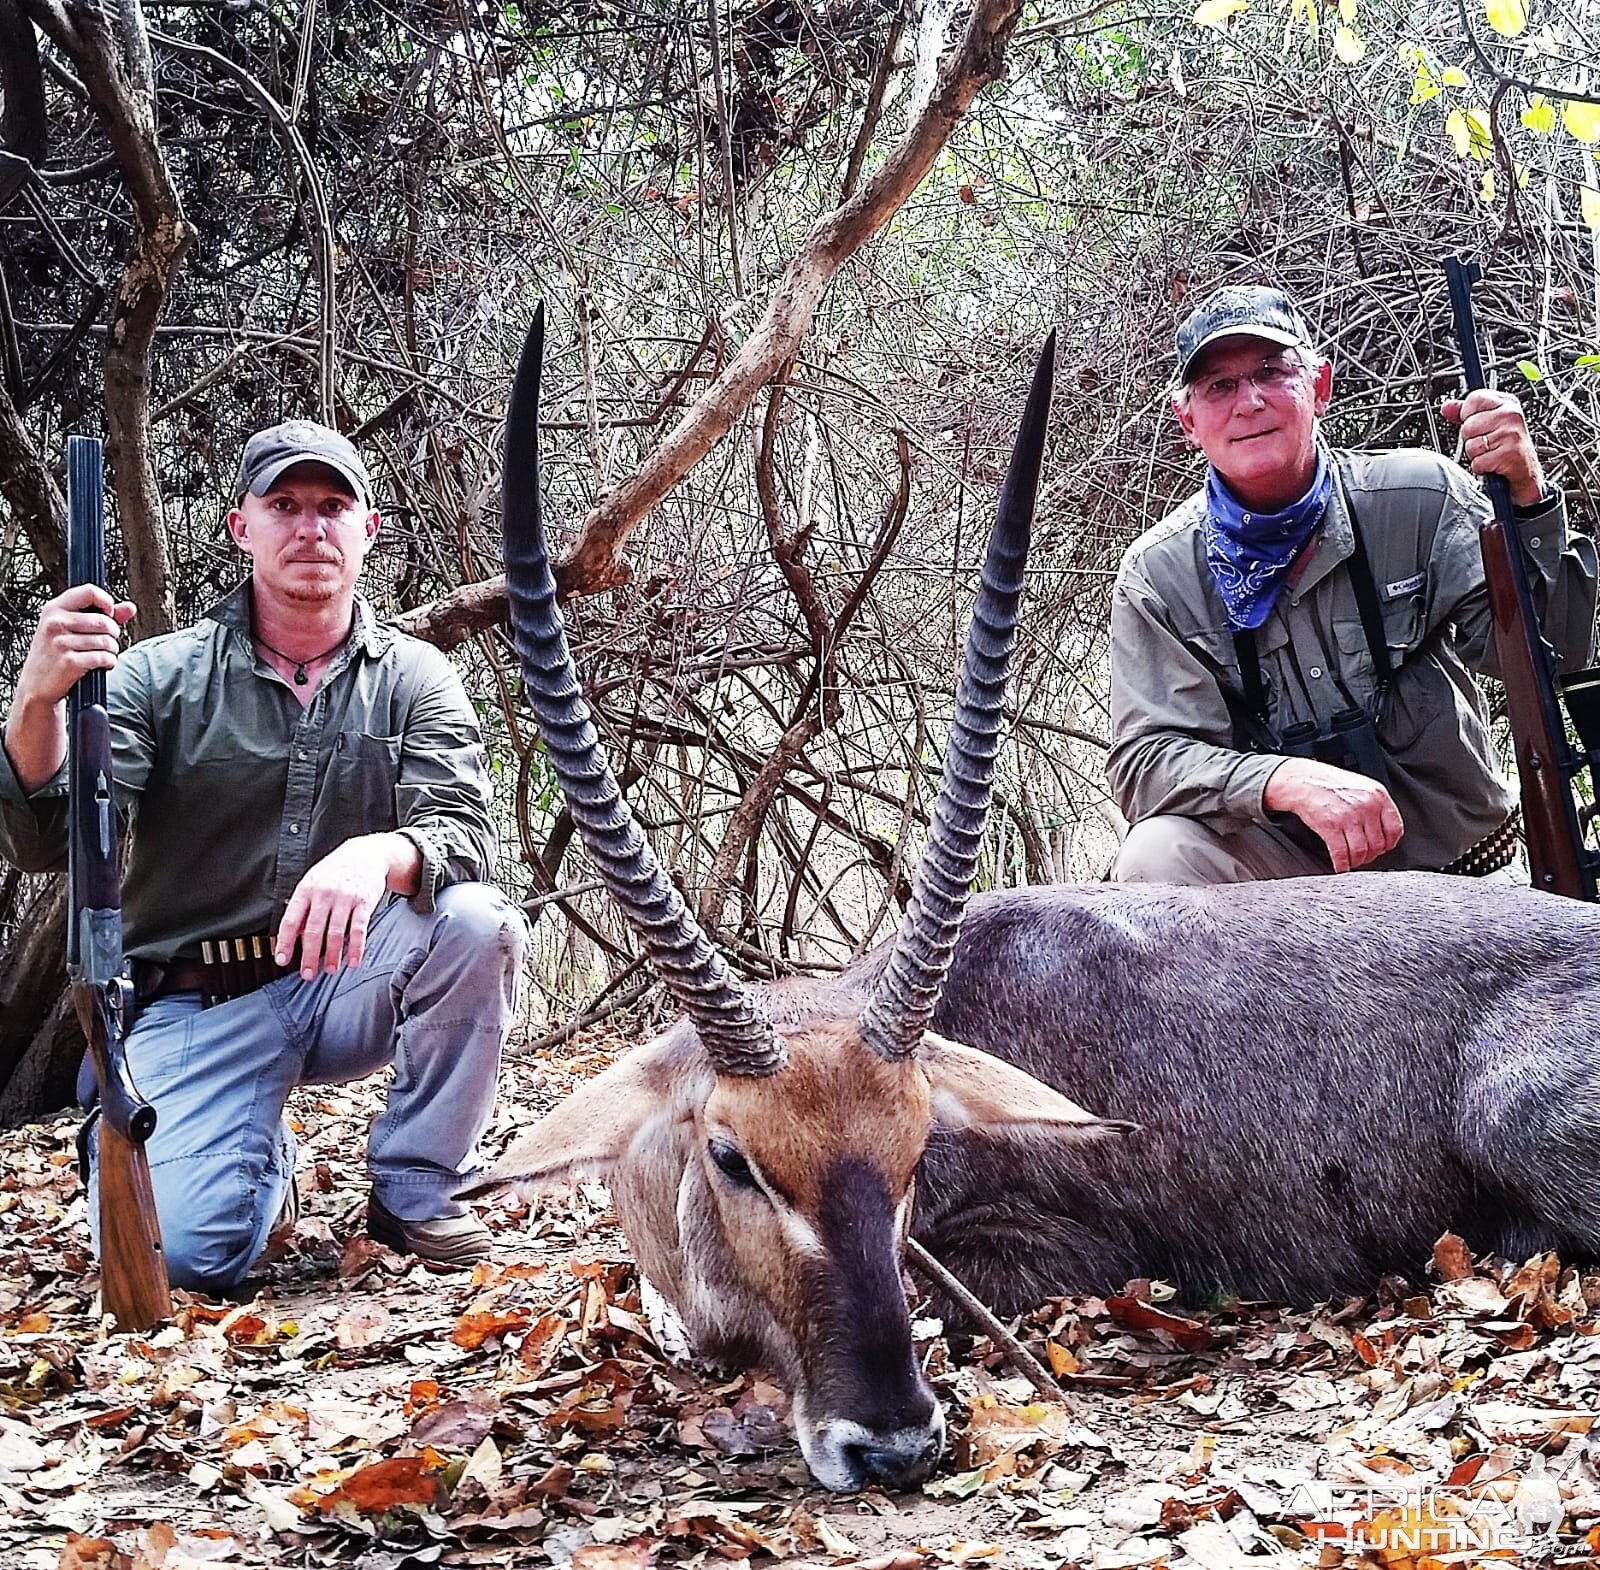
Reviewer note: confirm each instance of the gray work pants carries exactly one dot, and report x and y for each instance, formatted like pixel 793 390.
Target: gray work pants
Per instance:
pixel 434 995
pixel 1172 849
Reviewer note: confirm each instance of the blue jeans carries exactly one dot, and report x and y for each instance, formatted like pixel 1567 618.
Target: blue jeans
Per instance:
pixel 434 995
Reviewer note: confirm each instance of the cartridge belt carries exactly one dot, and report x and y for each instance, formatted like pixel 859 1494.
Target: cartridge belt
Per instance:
pixel 1492 852
pixel 227 968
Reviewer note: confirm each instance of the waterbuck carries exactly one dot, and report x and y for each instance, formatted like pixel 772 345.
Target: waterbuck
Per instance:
pixel 1308 1082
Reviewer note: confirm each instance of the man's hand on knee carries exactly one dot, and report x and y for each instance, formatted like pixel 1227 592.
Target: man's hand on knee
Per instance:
pixel 333 903
pixel 1355 817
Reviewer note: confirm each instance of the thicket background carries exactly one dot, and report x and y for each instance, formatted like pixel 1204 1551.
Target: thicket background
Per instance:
pixel 375 194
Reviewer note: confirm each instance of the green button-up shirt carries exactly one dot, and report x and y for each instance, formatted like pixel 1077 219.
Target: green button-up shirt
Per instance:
pixel 230 789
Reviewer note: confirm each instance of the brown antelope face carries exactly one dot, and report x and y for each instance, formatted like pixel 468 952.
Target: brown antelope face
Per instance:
pixel 809 1178
pixel 763 1166
pixel 771 1213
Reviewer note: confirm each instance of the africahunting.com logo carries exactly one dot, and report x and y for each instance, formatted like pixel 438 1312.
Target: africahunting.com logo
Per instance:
pixel 1456 1526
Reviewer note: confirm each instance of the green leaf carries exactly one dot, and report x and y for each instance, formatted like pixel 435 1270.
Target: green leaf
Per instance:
pixel 1506 17
pixel 1582 121
pixel 1215 13
pixel 1469 130
pixel 1530 370
pixel 1540 115
pixel 1453 76
pixel 1588 362
pixel 1348 45
pixel 1426 85
pixel 1307 8
pixel 962 1486
pixel 1589 202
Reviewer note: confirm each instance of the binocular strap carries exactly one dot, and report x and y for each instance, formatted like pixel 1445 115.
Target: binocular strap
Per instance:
pixel 1366 592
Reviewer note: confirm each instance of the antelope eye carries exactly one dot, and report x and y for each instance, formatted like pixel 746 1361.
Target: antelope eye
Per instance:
pixel 731 1164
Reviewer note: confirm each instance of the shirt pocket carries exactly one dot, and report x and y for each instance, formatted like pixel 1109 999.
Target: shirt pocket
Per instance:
pixel 357 792
pixel 1402 626
pixel 1357 674
pixel 1271 643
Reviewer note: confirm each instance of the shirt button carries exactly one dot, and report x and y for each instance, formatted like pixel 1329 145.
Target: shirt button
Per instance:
pixel 1534 542
pixel 300 753
pixel 1316 670
pixel 294 828
pixel 1246 517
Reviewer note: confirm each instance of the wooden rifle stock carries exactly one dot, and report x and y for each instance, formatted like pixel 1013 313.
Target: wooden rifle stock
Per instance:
pixel 1546 761
pixel 133 1269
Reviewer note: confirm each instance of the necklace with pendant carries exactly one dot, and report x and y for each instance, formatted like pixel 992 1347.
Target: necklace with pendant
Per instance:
pixel 300 677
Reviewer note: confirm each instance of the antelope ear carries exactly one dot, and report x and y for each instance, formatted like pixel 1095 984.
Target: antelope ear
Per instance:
pixel 589 1132
pixel 975 1090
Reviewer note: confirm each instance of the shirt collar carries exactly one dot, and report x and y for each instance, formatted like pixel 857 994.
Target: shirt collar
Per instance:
pixel 1334 541
pixel 370 635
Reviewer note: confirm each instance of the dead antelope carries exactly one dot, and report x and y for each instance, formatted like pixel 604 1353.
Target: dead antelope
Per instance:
pixel 1313 1079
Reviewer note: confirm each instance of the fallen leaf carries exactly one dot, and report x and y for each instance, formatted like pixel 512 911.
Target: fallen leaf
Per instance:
pixel 1475 1296
pixel 92 1553
pixel 1452 1259
pixel 635 1554
pixel 473 1329
pixel 380 1486
pixel 997 1433
pixel 1189 1334
pixel 362 1324
pixel 458 1425
pixel 544 1338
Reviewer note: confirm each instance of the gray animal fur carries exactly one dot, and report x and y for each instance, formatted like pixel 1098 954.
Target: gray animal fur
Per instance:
pixel 1328 1073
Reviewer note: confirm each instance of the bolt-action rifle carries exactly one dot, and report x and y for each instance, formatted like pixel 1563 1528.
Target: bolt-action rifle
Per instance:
pixel 1547 763
pixel 133 1270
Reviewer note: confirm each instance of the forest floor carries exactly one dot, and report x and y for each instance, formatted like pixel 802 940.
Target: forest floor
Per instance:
pixel 357 1408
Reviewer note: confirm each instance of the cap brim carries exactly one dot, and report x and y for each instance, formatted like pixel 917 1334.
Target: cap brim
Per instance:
pixel 273 472
pixel 1276 335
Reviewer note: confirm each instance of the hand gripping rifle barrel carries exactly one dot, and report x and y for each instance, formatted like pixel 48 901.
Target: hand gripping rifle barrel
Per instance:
pixel 1546 761
pixel 132 1267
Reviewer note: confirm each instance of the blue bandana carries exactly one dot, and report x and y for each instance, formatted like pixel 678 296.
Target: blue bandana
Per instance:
pixel 1250 553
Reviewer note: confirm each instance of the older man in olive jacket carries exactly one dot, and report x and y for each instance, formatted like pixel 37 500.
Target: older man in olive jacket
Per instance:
pixel 1292 649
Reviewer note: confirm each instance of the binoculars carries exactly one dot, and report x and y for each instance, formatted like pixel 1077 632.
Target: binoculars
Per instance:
pixel 1350 742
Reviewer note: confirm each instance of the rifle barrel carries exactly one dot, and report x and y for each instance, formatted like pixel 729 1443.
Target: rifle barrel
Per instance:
pixel 133 1268
pixel 1559 860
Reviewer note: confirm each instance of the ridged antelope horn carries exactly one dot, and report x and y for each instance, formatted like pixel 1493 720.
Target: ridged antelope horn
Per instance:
pixel 902 1003
pixel 737 1035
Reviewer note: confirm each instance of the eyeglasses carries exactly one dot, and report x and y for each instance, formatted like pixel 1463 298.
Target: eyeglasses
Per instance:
pixel 1269 377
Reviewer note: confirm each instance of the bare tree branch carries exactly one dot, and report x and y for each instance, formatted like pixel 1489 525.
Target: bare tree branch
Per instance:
pixel 593 564
pixel 111 50
pixel 283 124
pixel 35 500
pixel 24 133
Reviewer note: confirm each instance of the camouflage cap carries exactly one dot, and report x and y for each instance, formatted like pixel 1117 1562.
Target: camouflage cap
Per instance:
pixel 272 452
pixel 1240 311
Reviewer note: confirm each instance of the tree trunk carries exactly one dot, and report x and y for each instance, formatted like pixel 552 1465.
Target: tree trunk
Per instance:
pixel 40 1042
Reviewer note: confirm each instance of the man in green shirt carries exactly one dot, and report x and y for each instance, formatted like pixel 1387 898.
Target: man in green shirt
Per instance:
pixel 309 786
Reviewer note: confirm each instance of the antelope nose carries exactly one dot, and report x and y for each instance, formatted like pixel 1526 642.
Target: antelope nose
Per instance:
pixel 898 1463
